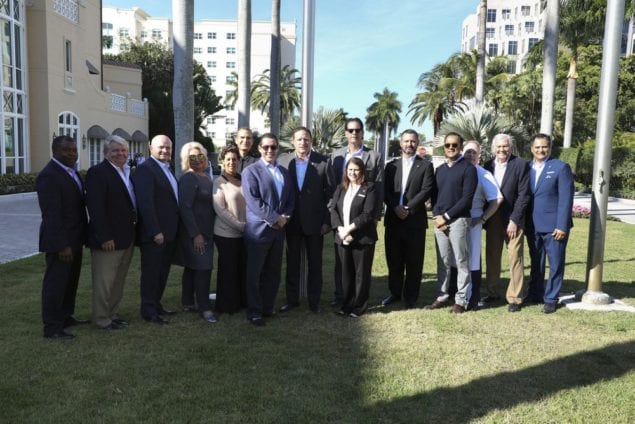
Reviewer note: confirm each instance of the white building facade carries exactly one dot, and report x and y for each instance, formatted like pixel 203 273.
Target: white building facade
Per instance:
pixel 215 47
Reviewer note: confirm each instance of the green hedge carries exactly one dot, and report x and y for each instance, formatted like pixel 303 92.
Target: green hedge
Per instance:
pixel 17 183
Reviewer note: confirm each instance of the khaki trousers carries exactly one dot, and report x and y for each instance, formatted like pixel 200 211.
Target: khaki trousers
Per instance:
pixel 109 270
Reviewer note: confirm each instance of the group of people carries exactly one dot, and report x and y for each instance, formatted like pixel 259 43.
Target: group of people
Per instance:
pixel 259 202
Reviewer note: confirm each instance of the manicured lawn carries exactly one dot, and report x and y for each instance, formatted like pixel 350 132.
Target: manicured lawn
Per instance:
pixel 388 366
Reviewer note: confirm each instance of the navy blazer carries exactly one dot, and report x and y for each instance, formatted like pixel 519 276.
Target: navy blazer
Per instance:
pixel 63 209
pixel 552 198
pixel 515 190
pixel 264 206
pixel 112 213
pixel 361 214
pixel 419 188
pixel 158 209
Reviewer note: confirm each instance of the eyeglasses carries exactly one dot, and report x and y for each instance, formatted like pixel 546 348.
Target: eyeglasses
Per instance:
pixel 354 130
pixel 272 147
pixel 451 145
pixel 200 156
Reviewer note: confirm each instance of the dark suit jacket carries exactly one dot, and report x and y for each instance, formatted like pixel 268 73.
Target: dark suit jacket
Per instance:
pixel 112 213
pixel 310 211
pixel 552 198
pixel 515 189
pixel 374 171
pixel 63 210
pixel 419 188
pixel 157 206
pixel 264 207
pixel 362 214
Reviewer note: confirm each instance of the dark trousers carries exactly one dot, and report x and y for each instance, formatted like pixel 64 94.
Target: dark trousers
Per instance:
pixel 543 246
pixel 59 288
pixel 264 261
pixel 337 276
pixel 313 244
pixel 231 293
pixel 357 262
pixel 196 282
pixel 155 268
pixel 405 248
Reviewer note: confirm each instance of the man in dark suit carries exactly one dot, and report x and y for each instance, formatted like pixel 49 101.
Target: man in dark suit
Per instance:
pixel 507 225
pixel 549 221
pixel 268 191
pixel 374 168
pixel 111 206
pixel 158 210
pixel 409 184
pixel 244 141
pixel 311 179
pixel 60 193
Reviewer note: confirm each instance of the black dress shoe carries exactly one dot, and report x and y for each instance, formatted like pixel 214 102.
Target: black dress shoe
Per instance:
pixel 60 335
pixel 315 309
pixel 120 322
pixel 257 321
pixel 409 305
pixel 549 308
pixel 163 311
pixel 514 307
pixel 437 304
pixel 335 302
pixel 390 299
pixel 71 321
pixel 288 306
pixel 490 299
pixel 112 326
pixel 156 320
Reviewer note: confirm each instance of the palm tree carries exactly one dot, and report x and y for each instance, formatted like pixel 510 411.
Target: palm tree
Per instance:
pixel 274 66
pixel 232 96
pixel 480 66
pixel 550 61
pixel 383 115
pixel 244 62
pixel 289 92
pixel 328 129
pixel 581 23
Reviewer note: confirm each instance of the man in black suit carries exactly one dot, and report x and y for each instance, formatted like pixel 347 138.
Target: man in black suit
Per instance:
pixel 374 169
pixel 508 223
pixel 310 220
pixel 158 210
pixel 409 183
pixel 60 193
pixel 245 141
pixel 111 231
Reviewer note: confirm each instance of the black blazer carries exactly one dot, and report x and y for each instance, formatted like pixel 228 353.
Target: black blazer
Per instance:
pixel 515 189
pixel 111 211
pixel 419 188
pixel 362 214
pixel 63 209
pixel 310 211
pixel 157 207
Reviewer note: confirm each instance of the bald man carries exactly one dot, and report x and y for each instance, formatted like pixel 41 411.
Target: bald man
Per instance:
pixel 158 212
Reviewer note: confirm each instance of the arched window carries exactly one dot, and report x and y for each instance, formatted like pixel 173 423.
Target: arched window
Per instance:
pixel 68 124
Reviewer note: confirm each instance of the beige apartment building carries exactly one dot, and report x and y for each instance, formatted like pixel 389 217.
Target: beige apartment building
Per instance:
pixel 54 82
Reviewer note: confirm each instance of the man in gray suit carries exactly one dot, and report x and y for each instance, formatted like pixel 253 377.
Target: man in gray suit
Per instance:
pixel 374 167
pixel 310 220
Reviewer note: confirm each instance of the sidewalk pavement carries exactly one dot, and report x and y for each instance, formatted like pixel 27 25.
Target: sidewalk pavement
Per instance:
pixel 20 221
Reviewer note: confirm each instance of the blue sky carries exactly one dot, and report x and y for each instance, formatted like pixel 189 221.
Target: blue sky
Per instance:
pixel 361 46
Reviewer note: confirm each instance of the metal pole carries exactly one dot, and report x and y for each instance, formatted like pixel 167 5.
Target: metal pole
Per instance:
pixel 602 161
pixel 308 47
pixel 549 66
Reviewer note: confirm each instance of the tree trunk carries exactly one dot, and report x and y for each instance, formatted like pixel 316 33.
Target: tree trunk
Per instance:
pixel 550 65
pixel 274 69
pixel 308 48
pixel 183 85
pixel 480 65
pixel 568 121
pixel 243 100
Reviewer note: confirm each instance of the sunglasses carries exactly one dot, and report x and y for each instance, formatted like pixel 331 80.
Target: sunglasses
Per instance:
pixel 200 156
pixel 272 147
pixel 354 130
pixel 451 145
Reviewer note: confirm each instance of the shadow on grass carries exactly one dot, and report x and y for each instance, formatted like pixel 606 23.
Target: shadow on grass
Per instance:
pixel 508 389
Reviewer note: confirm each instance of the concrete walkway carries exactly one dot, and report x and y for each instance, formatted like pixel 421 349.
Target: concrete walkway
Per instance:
pixel 624 209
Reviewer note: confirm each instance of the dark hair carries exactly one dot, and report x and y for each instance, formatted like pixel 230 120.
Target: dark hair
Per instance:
pixel 409 131
pixel 542 136
pixel 60 140
pixel 455 134
pixel 349 120
pixel 232 148
pixel 297 129
pixel 269 135
pixel 360 164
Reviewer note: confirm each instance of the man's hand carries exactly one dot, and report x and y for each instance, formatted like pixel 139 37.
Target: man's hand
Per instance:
pixel 325 229
pixel 199 244
pixel 108 246
pixel 158 239
pixel 282 221
pixel 66 254
pixel 559 234
pixel 512 230
pixel 401 211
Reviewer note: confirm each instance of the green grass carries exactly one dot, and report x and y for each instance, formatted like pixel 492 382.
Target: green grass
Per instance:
pixel 388 366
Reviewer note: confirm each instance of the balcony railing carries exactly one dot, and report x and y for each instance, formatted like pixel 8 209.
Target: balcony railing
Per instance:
pixel 125 104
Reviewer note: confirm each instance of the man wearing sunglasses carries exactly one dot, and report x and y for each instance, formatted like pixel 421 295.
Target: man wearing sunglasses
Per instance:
pixel 354 132
pixel 456 181
pixel 268 193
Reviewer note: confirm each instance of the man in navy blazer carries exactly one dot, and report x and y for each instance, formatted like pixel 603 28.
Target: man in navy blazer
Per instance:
pixel 111 206
pixel 158 210
pixel 268 191
pixel 409 184
pixel 549 214
pixel 60 193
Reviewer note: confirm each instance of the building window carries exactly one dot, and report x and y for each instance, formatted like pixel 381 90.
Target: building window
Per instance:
pixel 230 65
pixel 525 10
pixel 94 151
pixel 492 49
pixel 230 78
pixel 156 34
pixel 230 108
pixel 532 42
pixel 231 50
pixel 68 56
pixel 231 35
pixel 211 64
pixel 489 32
pixel 68 124
pixel 512 47
pixel 529 26
pixel 507 13
pixel 198 50
pixel 230 121
pixel 123 32
pixel 509 30
pixel 491 15
pixel 211 50
pixel 211 79
pixel 211 36
pixel 144 35
pixel 198 36
pixel 209 120
pixel 511 67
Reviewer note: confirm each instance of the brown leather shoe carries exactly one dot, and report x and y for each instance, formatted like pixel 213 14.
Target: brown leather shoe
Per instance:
pixel 457 309
pixel 437 304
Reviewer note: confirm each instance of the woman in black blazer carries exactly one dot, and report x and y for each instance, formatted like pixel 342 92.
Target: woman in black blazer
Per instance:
pixel 353 217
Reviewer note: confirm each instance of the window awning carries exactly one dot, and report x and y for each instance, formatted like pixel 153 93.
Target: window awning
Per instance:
pixel 122 133
pixel 97 132
pixel 139 136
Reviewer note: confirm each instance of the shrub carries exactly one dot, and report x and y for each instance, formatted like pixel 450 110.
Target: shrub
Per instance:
pixel 17 183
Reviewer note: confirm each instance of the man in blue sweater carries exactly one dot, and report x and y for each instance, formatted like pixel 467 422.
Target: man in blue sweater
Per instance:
pixel 456 183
